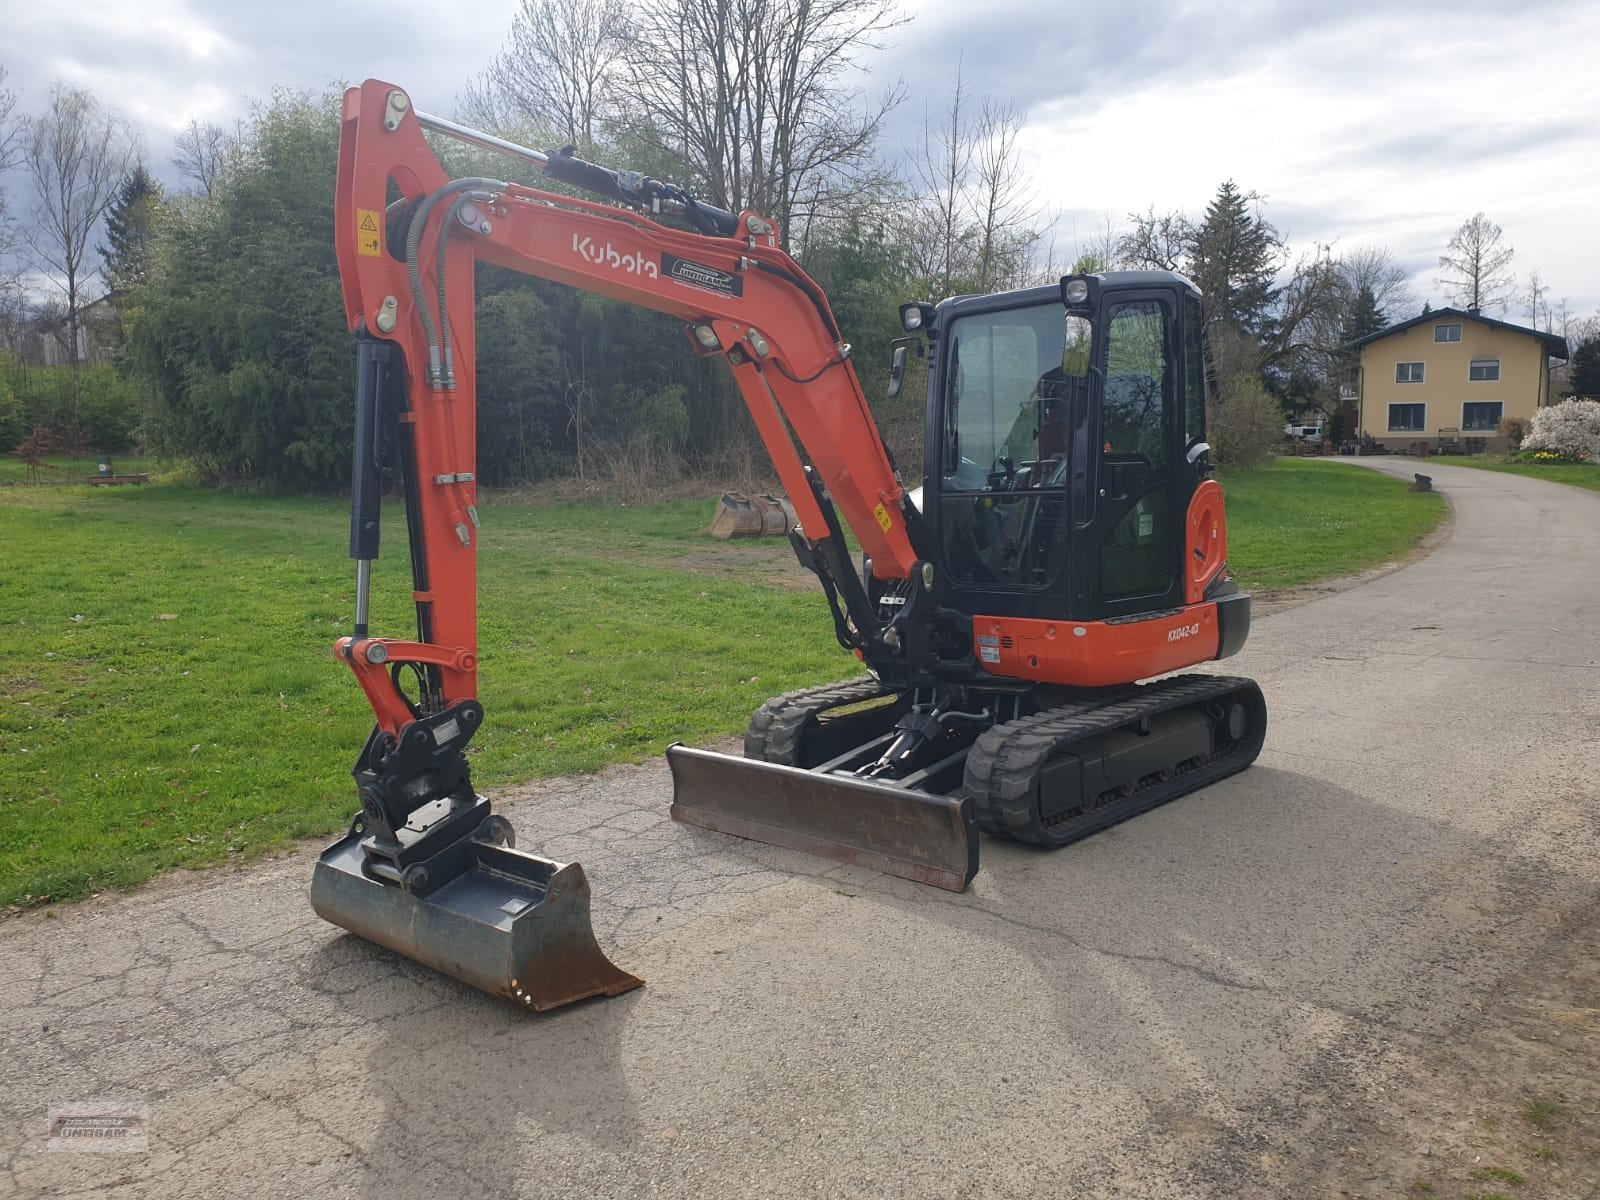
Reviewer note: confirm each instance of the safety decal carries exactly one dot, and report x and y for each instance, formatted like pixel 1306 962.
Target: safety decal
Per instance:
pixel 368 240
pixel 698 275
pixel 884 519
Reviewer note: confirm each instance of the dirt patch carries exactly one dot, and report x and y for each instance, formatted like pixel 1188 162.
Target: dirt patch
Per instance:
pixel 771 564
pixel 1505 1105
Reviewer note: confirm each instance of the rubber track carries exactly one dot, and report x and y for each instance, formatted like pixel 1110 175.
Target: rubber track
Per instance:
pixel 1004 764
pixel 778 725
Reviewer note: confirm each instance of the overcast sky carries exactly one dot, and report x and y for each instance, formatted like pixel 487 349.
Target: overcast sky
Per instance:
pixel 1360 122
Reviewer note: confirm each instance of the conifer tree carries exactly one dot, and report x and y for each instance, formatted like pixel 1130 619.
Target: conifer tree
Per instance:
pixel 1585 378
pixel 130 223
pixel 1234 260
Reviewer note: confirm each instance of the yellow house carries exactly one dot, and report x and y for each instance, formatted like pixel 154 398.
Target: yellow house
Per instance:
pixel 1449 378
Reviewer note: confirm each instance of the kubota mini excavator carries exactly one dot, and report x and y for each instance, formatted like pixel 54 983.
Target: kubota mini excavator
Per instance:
pixel 1067 543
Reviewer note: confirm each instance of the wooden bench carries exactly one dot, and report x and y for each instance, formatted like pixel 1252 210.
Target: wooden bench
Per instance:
pixel 108 480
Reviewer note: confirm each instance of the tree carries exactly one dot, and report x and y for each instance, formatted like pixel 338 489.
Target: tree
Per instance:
pixel 1364 318
pixel 972 225
pixel 1584 379
pixel 753 98
pixel 130 224
pixel 1156 242
pixel 1100 250
pixel 1538 306
pixel 11 129
pixel 557 67
pixel 1570 429
pixel 1233 259
pixel 76 154
pixel 239 326
pixel 11 294
pixel 1374 269
pixel 1006 236
pixel 199 152
pixel 942 171
pixel 1474 266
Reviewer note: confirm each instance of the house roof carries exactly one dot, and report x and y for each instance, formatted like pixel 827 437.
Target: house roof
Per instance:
pixel 1554 344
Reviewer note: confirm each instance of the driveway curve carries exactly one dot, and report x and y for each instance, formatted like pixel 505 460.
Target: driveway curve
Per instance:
pixel 1177 1007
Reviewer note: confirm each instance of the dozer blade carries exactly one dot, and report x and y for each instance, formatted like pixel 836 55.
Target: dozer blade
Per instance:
pixel 916 835
pixel 509 923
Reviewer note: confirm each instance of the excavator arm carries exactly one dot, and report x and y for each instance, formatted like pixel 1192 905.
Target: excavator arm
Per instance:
pixel 408 238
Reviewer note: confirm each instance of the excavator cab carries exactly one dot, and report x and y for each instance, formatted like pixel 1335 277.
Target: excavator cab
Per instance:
pixel 1066 442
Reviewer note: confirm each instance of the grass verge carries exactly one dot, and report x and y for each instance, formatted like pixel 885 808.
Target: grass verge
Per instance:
pixel 171 698
pixel 1583 475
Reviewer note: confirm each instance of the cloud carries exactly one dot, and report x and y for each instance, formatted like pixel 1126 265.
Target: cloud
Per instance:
pixel 1363 120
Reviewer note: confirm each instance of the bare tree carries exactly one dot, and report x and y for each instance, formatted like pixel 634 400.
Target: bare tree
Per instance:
pixel 1475 266
pixel 10 154
pixel 76 154
pixel 1156 242
pixel 199 153
pixel 1375 268
pixel 753 96
pixel 972 224
pixel 942 170
pixel 1309 312
pixel 1004 213
pixel 558 66
pixel 10 128
pixel 1538 307
pixel 1100 250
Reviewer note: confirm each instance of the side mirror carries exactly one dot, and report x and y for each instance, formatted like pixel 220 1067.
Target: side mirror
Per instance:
pixel 897 371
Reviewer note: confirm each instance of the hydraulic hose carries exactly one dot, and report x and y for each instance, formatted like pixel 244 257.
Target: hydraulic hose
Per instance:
pixel 414 268
pixel 444 302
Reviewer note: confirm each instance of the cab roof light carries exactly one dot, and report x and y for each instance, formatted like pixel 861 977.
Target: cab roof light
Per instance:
pixel 916 317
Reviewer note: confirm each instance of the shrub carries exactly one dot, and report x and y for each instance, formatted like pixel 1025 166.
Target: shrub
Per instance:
pixel 12 423
pixel 1570 429
pixel 1515 429
pixel 1244 424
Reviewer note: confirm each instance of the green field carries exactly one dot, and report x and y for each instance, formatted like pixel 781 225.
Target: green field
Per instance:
pixel 1584 475
pixel 171 699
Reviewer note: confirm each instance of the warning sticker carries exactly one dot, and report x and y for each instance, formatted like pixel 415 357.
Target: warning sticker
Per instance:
pixel 368 239
pixel 884 519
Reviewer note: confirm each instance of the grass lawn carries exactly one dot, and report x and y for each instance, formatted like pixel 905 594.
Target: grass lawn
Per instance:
pixel 1301 520
pixel 1584 475
pixel 171 699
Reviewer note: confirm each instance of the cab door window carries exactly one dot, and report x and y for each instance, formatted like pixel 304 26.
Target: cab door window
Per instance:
pixel 1135 415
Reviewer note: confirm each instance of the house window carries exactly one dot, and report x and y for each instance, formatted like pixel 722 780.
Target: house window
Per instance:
pixel 1481 416
pixel 1482 369
pixel 1447 333
pixel 1408 372
pixel 1407 418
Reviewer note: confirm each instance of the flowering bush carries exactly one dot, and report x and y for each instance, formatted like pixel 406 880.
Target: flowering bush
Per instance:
pixel 1569 430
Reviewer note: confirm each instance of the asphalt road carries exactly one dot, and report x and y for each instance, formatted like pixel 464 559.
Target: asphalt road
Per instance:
pixel 1173 1008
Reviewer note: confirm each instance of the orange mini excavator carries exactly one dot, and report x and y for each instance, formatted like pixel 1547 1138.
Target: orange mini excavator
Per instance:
pixel 1066 542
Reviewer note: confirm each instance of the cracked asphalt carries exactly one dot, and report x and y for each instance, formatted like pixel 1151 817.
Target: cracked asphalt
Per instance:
pixel 1149 1013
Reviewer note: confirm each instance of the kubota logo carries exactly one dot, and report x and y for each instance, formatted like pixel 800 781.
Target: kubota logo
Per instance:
pixel 608 256
pixel 1182 631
